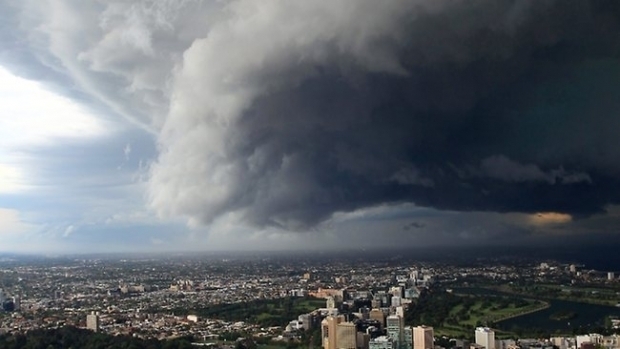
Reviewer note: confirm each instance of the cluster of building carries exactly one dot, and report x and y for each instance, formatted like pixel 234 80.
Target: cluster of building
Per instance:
pixel 338 333
pixel 485 339
pixel 141 297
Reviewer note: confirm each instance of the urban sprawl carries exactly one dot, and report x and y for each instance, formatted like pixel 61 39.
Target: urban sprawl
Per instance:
pixel 332 303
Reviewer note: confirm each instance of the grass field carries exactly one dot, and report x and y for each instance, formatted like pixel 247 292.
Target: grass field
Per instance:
pixel 591 295
pixel 264 312
pixel 463 318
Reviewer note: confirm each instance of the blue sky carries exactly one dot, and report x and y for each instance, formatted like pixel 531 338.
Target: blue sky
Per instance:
pixel 206 125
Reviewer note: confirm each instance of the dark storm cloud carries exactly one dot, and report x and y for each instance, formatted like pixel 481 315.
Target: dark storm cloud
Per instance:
pixel 414 225
pixel 283 113
pixel 484 105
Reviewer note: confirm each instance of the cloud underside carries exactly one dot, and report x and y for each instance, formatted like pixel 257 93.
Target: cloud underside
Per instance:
pixel 285 113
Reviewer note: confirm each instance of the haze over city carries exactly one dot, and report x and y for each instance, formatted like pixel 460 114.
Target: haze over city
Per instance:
pixel 139 126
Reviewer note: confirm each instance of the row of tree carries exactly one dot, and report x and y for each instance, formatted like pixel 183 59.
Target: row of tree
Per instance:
pixel 75 338
pixel 263 312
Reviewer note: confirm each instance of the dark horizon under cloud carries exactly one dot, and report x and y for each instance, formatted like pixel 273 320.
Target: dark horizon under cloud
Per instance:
pixel 283 116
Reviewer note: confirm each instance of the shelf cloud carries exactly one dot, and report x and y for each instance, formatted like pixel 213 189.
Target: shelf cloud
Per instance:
pixel 287 112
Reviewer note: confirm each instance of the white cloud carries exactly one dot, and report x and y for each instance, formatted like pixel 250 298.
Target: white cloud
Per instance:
pixel 32 116
pixel 127 151
pixel 156 241
pixel 68 231
pixel 11 179
pixel 11 223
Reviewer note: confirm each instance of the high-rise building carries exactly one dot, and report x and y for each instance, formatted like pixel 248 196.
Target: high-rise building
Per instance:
pixel 485 337
pixel 325 333
pixel 407 338
pixel 397 301
pixel 610 276
pixel 346 336
pixel 1 296
pixel 329 331
pixel 394 324
pixel 377 314
pixel 92 321
pixel 17 303
pixel 423 337
pixel 330 303
pixel 400 311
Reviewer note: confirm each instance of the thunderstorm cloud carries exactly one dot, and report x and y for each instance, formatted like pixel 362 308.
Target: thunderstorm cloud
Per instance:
pixel 285 113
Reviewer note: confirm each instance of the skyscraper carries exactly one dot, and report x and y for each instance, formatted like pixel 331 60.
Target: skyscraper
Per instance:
pixel 330 303
pixel 377 314
pixel 396 301
pixel 325 333
pixel 407 338
pixel 92 321
pixel 395 329
pixel 400 311
pixel 346 336
pixel 329 331
pixel 17 303
pixel 423 337
pixel 485 337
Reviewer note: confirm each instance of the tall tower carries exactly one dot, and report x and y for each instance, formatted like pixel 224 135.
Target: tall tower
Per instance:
pixel 325 333
pixel 346 336
pixel 92 321
pixel 423 337
pixel 396 301
pixel 377 314
pixel 485 337
pixel 329 331
pixel 330 303
pixel 400 311
pixel 407 338
pixel 395 329
pixel 17 303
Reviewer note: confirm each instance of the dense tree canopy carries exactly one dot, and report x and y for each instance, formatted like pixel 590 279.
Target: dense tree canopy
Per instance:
pixel 75 338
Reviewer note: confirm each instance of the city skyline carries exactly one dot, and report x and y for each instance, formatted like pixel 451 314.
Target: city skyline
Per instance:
pixel 155 126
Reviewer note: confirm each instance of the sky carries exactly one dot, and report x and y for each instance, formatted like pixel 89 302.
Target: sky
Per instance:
pixel 198 125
